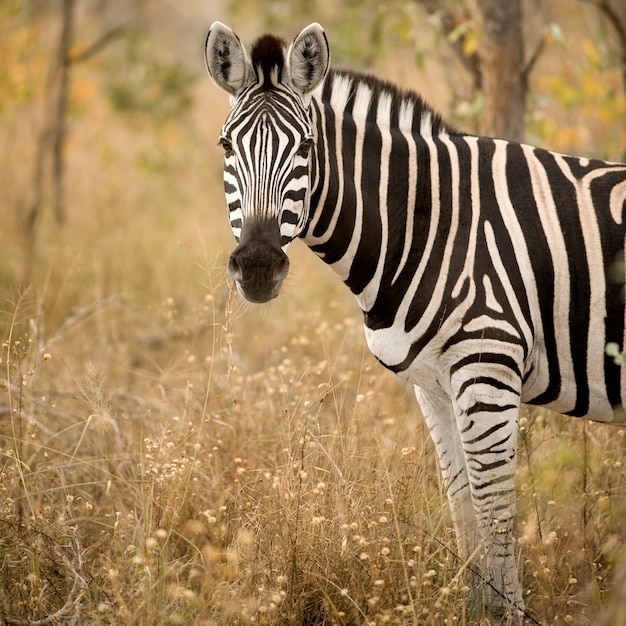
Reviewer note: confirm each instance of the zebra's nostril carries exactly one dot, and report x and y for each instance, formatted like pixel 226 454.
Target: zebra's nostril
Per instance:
pixel 234 269
pixel 281 269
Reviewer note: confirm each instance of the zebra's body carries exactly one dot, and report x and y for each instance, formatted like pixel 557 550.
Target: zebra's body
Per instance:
pixel 490 273
pixel 491 259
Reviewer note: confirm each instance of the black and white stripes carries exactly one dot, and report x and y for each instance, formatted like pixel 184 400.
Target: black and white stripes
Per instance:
pixel 489 273
pixel 511 243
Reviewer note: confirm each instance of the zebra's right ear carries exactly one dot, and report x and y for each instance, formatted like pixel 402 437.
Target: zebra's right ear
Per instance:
pixel 226 59
pixel 309 58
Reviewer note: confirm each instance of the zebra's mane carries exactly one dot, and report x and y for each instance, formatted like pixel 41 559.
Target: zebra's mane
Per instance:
pixel 359 93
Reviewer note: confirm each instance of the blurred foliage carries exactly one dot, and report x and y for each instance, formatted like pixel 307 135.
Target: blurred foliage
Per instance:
pixel 131 128
pixel 363 31
pixel 613 350
pixel 588 95
pixel 21 69
pixel 137 81
pixel 578 108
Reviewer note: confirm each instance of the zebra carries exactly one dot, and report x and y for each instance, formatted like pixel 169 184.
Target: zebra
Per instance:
pixel 490 273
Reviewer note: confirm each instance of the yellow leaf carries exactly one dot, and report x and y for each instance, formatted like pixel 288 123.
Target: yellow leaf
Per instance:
pixel 470 43
pixel 591 51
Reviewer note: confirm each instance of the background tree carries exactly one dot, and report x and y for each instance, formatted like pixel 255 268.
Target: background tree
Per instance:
pixel 53 131
pixel 490 42
pixel 503 69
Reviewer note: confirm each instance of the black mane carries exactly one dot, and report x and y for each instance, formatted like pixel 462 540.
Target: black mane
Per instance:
pixel 268 56
pixel 398 96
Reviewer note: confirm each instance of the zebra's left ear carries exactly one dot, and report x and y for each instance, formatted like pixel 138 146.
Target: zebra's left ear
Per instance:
pixel 226 59
pixel 308 58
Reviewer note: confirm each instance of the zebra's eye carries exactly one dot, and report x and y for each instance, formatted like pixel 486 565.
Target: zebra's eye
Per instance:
pixel 304 148
pixel 226 145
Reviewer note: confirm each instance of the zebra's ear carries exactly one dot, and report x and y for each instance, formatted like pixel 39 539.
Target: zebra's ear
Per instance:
pixel 309 58
pixel 226 59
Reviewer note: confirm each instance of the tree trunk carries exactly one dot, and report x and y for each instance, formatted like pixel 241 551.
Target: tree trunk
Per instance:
pixel 61 113
pixel 501 53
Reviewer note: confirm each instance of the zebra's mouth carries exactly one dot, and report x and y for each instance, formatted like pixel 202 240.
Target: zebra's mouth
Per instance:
pixel 260 283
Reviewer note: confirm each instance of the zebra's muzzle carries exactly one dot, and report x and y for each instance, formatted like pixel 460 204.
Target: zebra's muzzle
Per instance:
pixel 258 264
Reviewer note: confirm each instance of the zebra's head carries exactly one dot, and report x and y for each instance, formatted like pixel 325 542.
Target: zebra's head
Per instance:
pixel 267 140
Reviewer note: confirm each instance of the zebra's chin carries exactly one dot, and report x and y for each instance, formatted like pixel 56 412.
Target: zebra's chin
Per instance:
pixel 257 295
pixel 258 272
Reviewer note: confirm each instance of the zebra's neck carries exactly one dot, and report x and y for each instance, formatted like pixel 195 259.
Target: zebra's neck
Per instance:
pixel 370 142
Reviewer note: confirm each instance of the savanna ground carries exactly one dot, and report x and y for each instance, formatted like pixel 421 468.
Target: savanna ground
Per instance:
pixel 169 455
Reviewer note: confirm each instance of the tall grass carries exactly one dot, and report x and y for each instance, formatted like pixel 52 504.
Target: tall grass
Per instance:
pixel 170 455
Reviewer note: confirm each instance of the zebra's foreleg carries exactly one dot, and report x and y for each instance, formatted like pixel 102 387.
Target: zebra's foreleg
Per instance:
pixel 487 411
pixel 441 422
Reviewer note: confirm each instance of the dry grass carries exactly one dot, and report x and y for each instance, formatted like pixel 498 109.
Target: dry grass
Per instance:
pixel 169 475
pixel 169 455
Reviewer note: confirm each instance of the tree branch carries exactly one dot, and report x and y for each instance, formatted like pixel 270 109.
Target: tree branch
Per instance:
pixel 449 22
pixel 97 45
pixel 532 60
pixel 611 14
pixel 619 26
